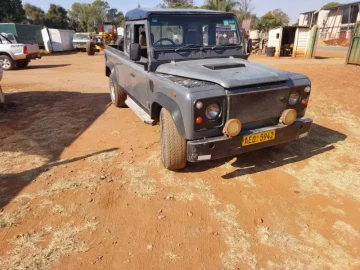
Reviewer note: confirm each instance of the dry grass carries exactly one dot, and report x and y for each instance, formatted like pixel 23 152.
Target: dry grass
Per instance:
pixel 8 219
pixel 107 157
pixel 311 251
pixel 237 240
pixel 27 254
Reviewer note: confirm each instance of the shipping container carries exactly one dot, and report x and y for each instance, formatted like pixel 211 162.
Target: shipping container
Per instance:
pixel 25 33
pixel 58 40
pixel 289 40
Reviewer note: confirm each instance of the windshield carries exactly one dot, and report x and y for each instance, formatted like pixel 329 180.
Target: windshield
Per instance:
pixel 189 30
pixel 82 36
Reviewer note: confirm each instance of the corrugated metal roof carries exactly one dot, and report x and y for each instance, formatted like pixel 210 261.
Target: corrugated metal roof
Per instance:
pixel 343 5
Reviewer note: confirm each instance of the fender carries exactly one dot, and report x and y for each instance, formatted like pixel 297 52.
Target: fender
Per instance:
pixel 163 101
pixel 8 53
pixel 109 68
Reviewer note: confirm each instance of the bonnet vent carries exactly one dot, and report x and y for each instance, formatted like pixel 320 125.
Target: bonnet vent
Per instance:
pixel 224 66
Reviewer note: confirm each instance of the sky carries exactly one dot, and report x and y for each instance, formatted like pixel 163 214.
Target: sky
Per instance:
pixel 292 7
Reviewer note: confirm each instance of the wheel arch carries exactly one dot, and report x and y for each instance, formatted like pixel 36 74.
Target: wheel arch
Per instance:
pixel 163 101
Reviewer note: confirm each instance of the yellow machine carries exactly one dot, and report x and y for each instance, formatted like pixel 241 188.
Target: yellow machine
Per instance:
pixel 107 35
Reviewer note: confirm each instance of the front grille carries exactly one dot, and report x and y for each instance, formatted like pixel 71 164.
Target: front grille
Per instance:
pixel 257 106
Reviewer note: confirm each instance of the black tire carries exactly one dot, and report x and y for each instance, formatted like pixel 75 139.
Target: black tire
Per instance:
pixel 117 93
pixel 90 48
pixel 6 62
pixel 173 146
pixel 22 64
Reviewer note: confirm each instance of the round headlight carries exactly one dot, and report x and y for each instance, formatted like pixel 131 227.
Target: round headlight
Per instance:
pixel 212 111
pixel 294 98
pixel 307 89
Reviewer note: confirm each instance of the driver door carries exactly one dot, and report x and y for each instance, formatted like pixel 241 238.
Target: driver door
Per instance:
pixel 138 74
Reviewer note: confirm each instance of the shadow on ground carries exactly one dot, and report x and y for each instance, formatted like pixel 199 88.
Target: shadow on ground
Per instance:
pixel 46 66
pixel 321 140
pixel 37 130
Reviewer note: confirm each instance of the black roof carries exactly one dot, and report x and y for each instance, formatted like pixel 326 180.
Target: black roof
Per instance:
pixel 143 13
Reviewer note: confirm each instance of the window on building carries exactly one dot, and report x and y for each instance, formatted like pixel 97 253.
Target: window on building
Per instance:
pixel 350 14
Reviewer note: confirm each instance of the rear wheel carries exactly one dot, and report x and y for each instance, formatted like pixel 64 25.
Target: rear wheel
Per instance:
pixel 22 64
pixel 173 146
pixel 6 62
pixel 117 93
pixel 90 48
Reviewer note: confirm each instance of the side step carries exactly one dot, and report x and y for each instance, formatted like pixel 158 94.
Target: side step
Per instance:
pixel 144 116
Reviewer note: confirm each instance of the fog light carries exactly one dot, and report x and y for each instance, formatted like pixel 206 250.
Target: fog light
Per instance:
pixel 288 117
pixel 232 127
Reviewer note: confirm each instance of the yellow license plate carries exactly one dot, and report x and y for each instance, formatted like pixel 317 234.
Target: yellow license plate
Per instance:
pixel 259 137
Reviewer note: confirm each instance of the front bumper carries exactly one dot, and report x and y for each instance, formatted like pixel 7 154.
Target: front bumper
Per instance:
pixel 222 146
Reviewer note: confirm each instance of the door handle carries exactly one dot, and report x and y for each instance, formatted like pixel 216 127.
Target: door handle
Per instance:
pixel 132 75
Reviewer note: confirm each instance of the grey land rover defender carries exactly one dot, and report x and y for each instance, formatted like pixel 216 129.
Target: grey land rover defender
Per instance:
pixel 188 70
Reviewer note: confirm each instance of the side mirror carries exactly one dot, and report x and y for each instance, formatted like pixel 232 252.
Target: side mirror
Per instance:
pixel 249 46
pixel 135 52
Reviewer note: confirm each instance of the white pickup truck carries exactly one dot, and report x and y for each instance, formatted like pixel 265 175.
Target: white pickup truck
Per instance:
pixel 14 54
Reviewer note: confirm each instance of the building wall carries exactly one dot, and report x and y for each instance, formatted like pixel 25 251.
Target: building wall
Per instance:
pixel 301 42
pixel 274 38
pixel 305 19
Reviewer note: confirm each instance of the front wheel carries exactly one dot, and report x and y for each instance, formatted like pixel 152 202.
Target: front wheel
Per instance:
pixel 173 146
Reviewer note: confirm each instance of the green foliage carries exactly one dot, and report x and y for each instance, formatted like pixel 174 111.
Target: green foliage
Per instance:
pixel 115 17
pixel 331 5
pixel 80 17
pixel 273 19
pixel 221 5
pixel 99 10
pixel 56 17
pixel 88 17
pixel 11 11
pixel 34 14
pixel 177 4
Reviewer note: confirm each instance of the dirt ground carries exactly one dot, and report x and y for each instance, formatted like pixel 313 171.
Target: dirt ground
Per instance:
pixel 82 186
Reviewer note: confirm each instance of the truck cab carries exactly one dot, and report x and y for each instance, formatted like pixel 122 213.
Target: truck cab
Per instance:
pixel 188 70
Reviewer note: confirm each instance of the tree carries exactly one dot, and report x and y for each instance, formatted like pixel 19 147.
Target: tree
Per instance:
pixel 11 11
pixel 177 4
pixel 245 8
pixel 274 19
pixel 221 5
pixel 99 11
pixel 34 14
pixel 56 17
pixel 115 17
pixel 81 17
pixel 331 5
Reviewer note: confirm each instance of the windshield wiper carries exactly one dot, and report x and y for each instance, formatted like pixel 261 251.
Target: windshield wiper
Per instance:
pixel 188 46
pixel 225 45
